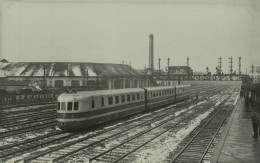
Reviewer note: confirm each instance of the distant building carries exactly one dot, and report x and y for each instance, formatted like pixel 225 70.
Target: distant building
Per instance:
pixel 180 70
pixel 50 75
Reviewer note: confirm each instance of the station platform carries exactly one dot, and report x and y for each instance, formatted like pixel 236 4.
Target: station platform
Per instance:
pixel 236 144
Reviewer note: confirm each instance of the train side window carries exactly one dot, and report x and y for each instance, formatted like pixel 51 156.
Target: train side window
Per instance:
pixel 160 93
pixel 133 97
pixel 154 94
pixel 142 96
pixel 138 96
pixel 128 98
pixel 157 93
pixel 117 99
pixel 76 106
pixel 123 98
pixel 102 101
pixel 63 106
pixel 93 104
pixel 58 106
pixel 69 106
pixel 110 100
pixel 151 94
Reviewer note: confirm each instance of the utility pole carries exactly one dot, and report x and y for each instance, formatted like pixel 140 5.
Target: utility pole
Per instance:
pixel 168 66
pixel 207 68
pixel 68 74
pixel 188 62
pixel 159 67
pixel 231 67
pixel 239 65
pixel 252 69
pixel 220 64
pixel 44 77
pixel 219 69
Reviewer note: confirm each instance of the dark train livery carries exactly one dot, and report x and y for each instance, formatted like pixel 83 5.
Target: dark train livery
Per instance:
pixel 85 109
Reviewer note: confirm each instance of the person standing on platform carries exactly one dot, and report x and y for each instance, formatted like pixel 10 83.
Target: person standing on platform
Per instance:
pixel 255 123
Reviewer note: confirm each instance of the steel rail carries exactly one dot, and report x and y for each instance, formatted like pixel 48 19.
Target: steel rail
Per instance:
pixel 195 136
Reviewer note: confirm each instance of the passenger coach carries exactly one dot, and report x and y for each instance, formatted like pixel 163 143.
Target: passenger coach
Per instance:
pixel 89 108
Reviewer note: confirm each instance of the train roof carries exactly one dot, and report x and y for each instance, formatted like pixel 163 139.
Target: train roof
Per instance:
pixel 165 87
pixel 86 94
pixel 180 86
pixel 158 88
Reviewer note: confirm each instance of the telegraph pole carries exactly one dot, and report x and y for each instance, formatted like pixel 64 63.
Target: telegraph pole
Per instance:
pixel 239 65
pixel 252 68
pixel 219 69
pixel 252 71
pixel 220 64
pixel 159 60
pixel 44 76
pixel 207 68
pixel 231 67
pixel 168 66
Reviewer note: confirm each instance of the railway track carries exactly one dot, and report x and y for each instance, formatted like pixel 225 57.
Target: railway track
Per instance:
pixel 195 147
pixel 74 146
pixel 39 143
pixel 31 145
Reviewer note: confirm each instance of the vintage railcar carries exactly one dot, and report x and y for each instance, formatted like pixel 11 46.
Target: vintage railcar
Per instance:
pixel 89 108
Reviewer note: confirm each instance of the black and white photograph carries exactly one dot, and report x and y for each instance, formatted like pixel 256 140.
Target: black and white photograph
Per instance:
pixel 129 81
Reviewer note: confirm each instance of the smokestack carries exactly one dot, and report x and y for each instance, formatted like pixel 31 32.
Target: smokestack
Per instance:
pixel 151 63
pixel 188 61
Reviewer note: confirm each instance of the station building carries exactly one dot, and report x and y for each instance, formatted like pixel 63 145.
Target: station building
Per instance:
pixel 50 75
pixel 180 70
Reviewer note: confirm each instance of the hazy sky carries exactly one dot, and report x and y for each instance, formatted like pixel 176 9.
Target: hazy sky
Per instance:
pixel 109 32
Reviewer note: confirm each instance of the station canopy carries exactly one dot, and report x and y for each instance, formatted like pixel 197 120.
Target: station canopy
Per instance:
pixel 67 69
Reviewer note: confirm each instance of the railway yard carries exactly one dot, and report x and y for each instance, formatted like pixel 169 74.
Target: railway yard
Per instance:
pixel 186 131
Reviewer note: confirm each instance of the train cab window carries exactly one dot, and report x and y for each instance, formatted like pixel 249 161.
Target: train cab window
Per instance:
pixel 69 106
pixel 63 106
pixel 117 99
pixel 76 106
pixel 122 98
pixel 93 104
pixel 133 97
pixel 58 106
pixel 110 101
pixel 102 101
pixel 128 98
pixel 138 96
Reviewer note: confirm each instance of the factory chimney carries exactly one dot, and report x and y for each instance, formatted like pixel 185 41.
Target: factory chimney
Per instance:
pixel 151 60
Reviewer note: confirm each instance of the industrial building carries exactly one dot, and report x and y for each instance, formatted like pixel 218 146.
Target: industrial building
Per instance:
pixel 50 75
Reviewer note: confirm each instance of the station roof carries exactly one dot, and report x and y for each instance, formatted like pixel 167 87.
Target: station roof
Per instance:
pixel 66 69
